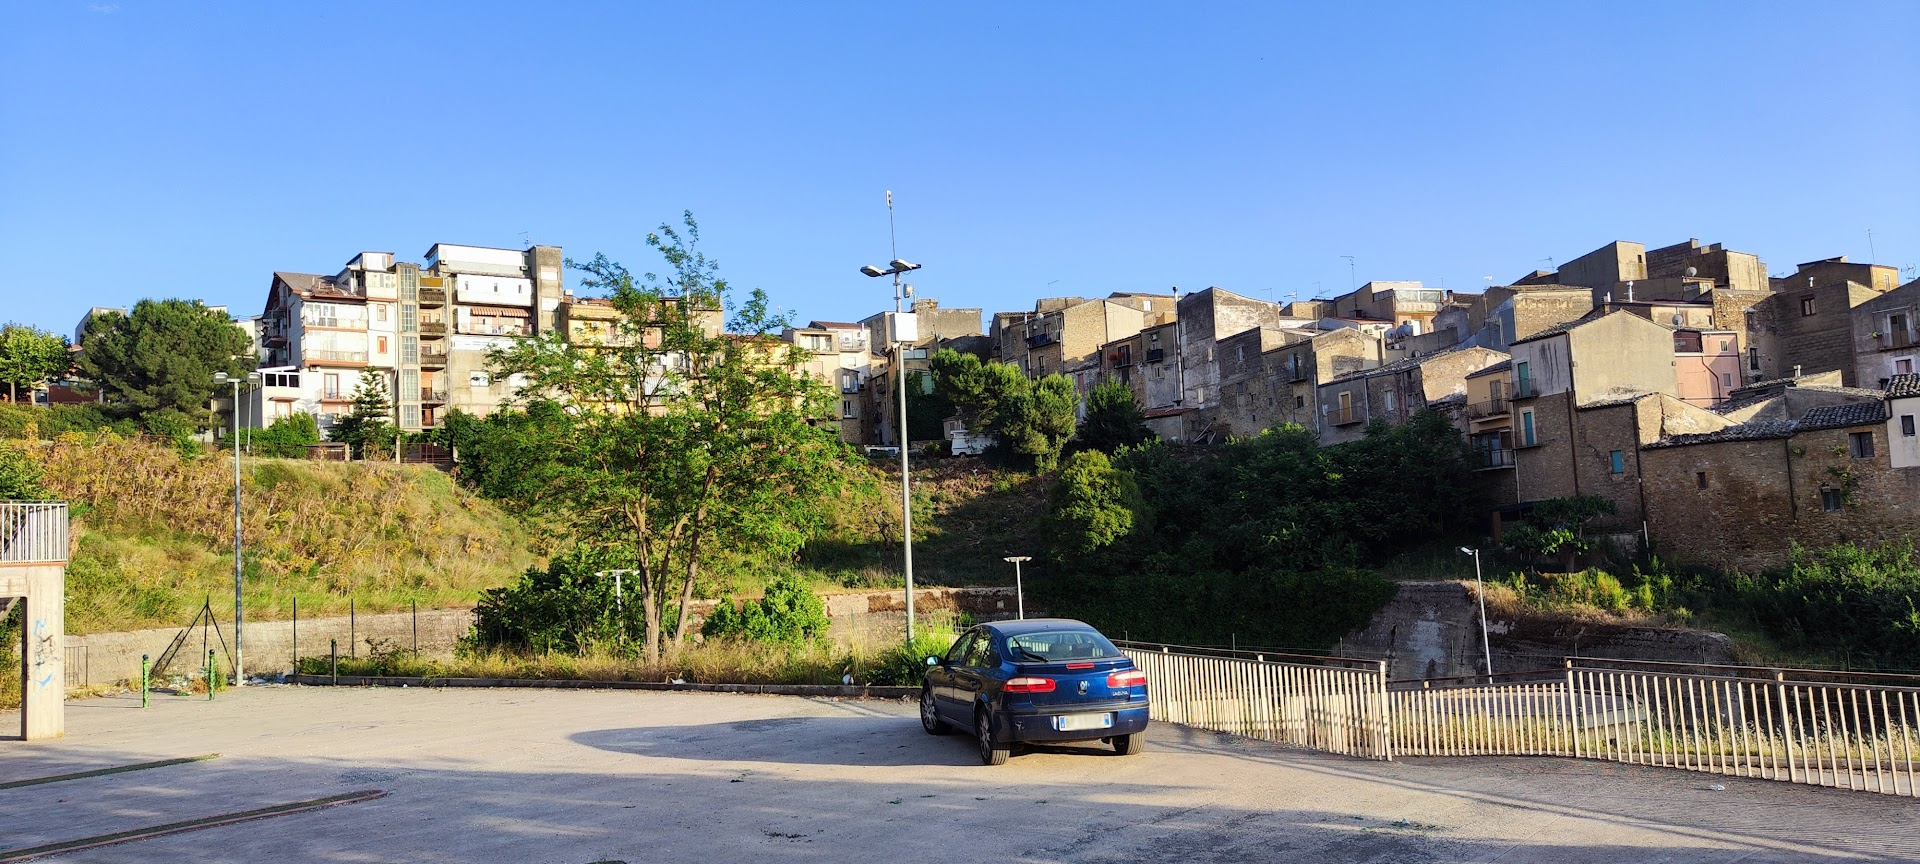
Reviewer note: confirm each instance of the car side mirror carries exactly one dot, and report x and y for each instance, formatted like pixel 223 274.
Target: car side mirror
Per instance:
pixel 933 661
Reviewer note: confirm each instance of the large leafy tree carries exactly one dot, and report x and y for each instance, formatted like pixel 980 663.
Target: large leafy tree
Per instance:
pixel 1113 419
pixel 1034 418
pixel 163 355
pixel 369 425
pixel 676 439
pixel 29 356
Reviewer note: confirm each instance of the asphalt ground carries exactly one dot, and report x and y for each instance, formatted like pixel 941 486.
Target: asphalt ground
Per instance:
pixel 590 776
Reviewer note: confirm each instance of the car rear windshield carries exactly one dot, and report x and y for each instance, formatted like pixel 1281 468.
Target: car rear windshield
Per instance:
pixel 1053 646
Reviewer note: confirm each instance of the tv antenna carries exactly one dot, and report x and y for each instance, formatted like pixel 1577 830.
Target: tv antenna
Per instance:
pixel 1350 277
pixel 893 240
pixel 1549 260
pixel 525 238
pixel 1872 256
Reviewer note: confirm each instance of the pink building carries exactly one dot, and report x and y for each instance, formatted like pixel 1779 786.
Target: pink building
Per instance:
pixel 1706 365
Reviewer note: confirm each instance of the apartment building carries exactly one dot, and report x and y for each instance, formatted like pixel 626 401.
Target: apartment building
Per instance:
pixel 1489 414
pixel 1203 318
pixel 838 355
pixel 1066 334
pixel 1886 336
pixel 425 329
pixel 1393 393
pixel 1807 324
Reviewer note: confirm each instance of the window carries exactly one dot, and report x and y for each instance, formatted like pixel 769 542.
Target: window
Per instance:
pixel 1725 346
pixel 1240 388
pixel 1522 379
pixel 1526 429
pixel 381 344
pixel 1146 305
pixel 479 379
pixel 1239 354
pixel 380 313
pixel 1726 379
pixel 846 409
pixel 1618 461
pixel 1753 359
pixel 1700 479
pixel 1906 425
pixel 1389 401
pixel 330 386
pixel 1831 500
pixel 1301 402
pixel 1806 305
pixel 1860 444
pixel 1903 366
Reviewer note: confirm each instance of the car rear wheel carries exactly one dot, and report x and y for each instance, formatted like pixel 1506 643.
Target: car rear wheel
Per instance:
pixel 1127 745
pixel 991 753
pixel 930 714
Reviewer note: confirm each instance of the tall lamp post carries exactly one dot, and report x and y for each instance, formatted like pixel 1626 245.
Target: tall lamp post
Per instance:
pixel 1019 593
pixel 894 269
pixel 1486 647
pixel 251 378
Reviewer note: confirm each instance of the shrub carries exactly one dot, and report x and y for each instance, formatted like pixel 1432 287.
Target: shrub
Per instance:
pixel 788 612
pixel 288 437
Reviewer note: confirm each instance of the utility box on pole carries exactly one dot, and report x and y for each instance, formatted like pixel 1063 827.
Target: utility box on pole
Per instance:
pixel 902 327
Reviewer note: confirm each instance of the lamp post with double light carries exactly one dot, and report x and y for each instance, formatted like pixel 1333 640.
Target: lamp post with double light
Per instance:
pixel 1019 593
pixel 251 378
pixel 894 269
pixel 1486 647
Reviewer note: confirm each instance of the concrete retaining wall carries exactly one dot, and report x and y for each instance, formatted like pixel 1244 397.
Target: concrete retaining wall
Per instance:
pixel 113 657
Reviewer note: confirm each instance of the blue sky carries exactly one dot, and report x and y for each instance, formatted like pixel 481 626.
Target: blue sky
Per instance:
pixel 182 149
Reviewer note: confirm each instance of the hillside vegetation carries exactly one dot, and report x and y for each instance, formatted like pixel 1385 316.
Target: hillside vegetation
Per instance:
pixel 153 534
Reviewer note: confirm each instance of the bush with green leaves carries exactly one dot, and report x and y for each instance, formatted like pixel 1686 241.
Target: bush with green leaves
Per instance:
pixel 52 421
pixel 789 611
pixel 568 606
pixel 20 475
pixel 288 437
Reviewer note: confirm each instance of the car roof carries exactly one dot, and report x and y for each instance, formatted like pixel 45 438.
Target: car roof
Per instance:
pixel 1037 625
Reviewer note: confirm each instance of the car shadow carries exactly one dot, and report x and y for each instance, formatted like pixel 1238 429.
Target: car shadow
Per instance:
pixel 865 741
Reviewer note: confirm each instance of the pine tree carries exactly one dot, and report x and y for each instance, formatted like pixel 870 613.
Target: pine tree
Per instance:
pixel 369 426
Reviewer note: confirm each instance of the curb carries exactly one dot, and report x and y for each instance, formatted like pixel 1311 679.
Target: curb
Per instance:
pixel 835 690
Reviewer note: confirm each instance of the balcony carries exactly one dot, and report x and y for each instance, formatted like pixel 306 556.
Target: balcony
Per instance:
pixel 1155 355
pixel 436 328
pixel 433 359
pixel 325 356
pixel 1039 339
pixel 1525 389
pixel 433 394
pixel 33 532
pixel 1895 339
pixel 1344 417
pixel 1498 406
pixel 433 296
pixel 1120 359
pixel 1487 460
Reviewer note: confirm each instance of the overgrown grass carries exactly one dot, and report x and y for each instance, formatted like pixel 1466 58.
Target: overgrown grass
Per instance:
pixel 967 516
pixel 154 533
pixel 715 661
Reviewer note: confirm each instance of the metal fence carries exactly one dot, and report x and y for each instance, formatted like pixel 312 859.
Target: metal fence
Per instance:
pixel 33 532
pixel 1322 703
pixel 1858 731
pixel 78 673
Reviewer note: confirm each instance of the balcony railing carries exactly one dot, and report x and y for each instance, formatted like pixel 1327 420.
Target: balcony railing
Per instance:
pixel 1039 339
pixel 326 356
pixel 433 358
pixel 434 327
pixel 1488 459
pixel 1344 417
pixel 1498 406
pixel 1898 339
pixel 33 532
pixel 429 394
pixel 353 323
pixel 433 296
pixel 1525 389
pixel 1155 355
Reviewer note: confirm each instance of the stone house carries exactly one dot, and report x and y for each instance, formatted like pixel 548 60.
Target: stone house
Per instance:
pixel 1205 318
pixel 1886 336
pixel 1397 391
pixel 1903 411
pixel 1248 393
pixel 1807 324
pixel 1295 371
pixel 1159 366
pixel 1739 497
pixel 1121 360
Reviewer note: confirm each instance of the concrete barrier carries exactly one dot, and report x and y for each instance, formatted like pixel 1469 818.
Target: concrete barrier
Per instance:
pixel 857 691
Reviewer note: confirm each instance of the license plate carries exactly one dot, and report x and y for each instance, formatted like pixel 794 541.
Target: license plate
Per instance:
pixel 1077 722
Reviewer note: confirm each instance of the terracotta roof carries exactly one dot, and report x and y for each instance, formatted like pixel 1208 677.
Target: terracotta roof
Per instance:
pixel 1396 367
pixel 1615 399
pixel 1903 386
pixel 1501 366
pixel 1564 326
pixel 833 325
pixel 1156 413
pixel 1837 416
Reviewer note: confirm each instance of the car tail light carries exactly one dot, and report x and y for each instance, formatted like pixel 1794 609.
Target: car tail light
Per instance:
pixel 1129 678
pixel 1028 685
pixel 1073 666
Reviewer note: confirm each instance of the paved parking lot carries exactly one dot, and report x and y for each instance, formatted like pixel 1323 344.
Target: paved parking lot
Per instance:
pixel 586 776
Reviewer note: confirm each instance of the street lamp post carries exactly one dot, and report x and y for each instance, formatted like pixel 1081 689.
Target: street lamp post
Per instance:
pixel 894 269
pixel 239 673
pixel 1019 593
pixel 1486 647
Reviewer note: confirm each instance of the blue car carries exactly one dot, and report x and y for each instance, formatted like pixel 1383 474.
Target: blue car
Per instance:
pixel 1036 680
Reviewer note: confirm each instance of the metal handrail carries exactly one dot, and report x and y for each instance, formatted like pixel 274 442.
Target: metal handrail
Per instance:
pixel 1246 653
pixel 33 532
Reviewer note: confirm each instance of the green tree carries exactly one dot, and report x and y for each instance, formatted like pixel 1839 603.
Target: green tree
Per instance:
pixel 1113 419
pixel 29 356
pixel 369 426
pixel 163 355
pixel 677 438
pixel 1092 506
pixel 287 438
pixel 788 611
pixel 1034 418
